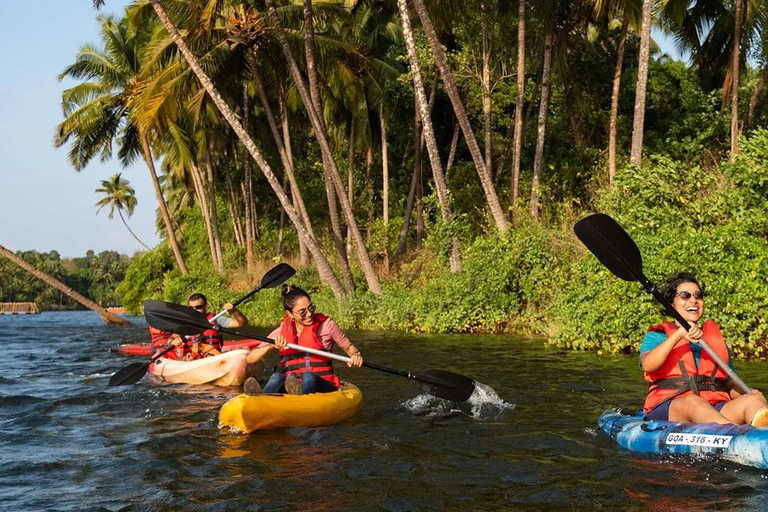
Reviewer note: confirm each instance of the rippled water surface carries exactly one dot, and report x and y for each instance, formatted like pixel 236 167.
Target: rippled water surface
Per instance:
pixel 529 442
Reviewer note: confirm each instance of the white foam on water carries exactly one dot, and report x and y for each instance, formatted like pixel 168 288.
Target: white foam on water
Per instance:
pixel 484 404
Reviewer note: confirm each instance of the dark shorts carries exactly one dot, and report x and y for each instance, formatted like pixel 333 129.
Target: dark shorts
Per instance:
pixel 661 413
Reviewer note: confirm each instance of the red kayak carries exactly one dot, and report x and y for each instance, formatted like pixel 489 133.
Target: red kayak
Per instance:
pixel 148 350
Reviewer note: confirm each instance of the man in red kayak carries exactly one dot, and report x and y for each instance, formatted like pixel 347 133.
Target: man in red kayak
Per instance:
pixel 207 344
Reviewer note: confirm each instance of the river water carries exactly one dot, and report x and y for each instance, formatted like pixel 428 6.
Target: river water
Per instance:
pixel 69 442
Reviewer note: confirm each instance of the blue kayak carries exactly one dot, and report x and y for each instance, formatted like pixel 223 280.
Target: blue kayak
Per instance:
pixel 743 444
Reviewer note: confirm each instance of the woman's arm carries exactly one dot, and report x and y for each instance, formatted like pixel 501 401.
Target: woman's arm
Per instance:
pixel 653 359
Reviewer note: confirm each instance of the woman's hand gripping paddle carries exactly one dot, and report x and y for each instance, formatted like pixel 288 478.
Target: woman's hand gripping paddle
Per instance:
pixel 618 252
pixel 134 372
pixel 186 320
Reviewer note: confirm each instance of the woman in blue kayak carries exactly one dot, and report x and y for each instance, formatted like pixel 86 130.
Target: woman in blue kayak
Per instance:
pixel 301 372
pixel 685 383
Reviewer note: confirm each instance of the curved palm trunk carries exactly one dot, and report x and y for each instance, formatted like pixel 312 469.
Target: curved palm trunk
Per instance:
pixel 755 97
pixel 636 154
pixel 362 252
pixel 429 134
pixel 202 201
pixel 66 290
pixel 461 114
pixel 120 212
pixel 735 60
pixel 613 127
pixel 542 126
pixel 147 154
pixel 515 188
pixel 323 267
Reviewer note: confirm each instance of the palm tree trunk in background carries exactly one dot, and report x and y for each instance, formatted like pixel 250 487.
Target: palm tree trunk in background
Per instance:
pixel 248 189
pixel 452 151
pixel 735 60
pixel 385 185
pixel 429 137
pixel 461 114
pixel 69 292
pixel 518 149
pixel 369 189
pixel 147 154
pixel 350 175
pixel 120 212
pixel 202 201
pixel 613 126
pixel 486 86
pixel 542 126
pixel 499 169
pixel 323 267
pixel 636 155
pixel 233 208
pixel 755 97
pixel 285 123
pixel 281 229
pixel 218 263
pixel 362 252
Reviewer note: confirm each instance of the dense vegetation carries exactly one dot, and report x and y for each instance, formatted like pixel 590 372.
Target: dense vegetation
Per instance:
pixel 470 230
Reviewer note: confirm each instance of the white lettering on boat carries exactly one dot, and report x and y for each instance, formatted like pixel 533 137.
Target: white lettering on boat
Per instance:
pixel 699 440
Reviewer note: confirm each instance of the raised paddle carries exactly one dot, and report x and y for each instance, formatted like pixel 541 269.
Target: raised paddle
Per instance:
pixel 185 320
pixel 618 252
pixel 134 372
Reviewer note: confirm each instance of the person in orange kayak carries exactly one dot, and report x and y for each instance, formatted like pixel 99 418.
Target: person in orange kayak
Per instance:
pixel 684 382
pixel 300 372
pixel 210 342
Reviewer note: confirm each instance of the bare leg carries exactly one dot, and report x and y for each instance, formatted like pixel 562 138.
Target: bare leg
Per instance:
pixel 694 409
pixel 742 409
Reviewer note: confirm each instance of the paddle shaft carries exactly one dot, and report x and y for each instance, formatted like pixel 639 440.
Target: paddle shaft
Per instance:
pixel 273 277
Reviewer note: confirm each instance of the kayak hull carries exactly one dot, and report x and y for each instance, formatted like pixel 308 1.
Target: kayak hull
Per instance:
pixel 144 349
pixel 742 444
pixel 245 413
pixel 227 369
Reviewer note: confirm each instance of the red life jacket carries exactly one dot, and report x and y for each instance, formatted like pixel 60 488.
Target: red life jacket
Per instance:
pixel 297 362
pixel 679 375
pixel 210 337
pixel 158 337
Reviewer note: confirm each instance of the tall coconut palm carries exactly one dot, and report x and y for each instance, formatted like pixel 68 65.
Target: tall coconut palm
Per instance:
pixel 324 268
pixel 118 195
pixel 69 292
pixel 97 111
pixel 518 136
pixel 638 122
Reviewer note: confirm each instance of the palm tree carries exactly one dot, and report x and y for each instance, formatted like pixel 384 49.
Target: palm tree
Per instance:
pixel 515 187
pixel 39 274
pixel 636 153
pixel 97 111
pixel 119 195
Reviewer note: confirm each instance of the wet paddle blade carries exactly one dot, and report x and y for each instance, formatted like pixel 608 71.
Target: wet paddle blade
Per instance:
pixel 174 318
pixel 277 275
pixel 446 385
pixel 611 245
pixel 131 374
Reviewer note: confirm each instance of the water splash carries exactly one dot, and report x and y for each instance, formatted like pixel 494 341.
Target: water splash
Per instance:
pixel 483 404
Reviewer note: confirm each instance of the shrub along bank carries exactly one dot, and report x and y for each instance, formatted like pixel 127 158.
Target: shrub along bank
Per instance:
pixel 540 280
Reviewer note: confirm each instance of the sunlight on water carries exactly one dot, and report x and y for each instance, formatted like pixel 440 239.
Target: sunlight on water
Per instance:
pixel 484 404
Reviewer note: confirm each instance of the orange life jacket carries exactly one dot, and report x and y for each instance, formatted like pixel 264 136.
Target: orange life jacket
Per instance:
pixel 158 337
pixel 297 362
pixel 679 375
pixel 210 337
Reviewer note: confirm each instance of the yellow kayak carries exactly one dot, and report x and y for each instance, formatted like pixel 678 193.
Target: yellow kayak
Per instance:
pixel 245 413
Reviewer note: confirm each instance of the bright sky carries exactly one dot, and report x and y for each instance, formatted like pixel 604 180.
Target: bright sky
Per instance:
pixel 44 203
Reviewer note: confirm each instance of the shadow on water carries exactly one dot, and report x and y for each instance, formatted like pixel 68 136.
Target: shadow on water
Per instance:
pixel 527 441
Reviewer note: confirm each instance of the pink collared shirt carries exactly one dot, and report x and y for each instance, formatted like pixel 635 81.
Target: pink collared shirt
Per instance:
pixel 328 333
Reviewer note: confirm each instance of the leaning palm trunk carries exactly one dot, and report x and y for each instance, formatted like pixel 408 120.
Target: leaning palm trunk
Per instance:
pixel 202 201
pixel 218 262
pixel 613 127
pixel 232 206
pixel 515 186
pixel 755 97
pixel 120 212
pixel 303 251
pixel 69 292
pixel 636 155
pixel 429 134
pixel 735 59
pixel 362 252
pixel 323 267
pixel 147 154
pixel 461 114
pixel 542 126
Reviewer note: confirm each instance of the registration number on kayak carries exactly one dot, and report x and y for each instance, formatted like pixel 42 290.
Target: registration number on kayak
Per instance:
pixel 699 440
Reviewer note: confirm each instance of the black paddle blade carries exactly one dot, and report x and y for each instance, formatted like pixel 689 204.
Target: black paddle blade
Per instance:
pixel 277 275
pixel 611 245
pixel 175 318
pixel 446 385
pixel 131 374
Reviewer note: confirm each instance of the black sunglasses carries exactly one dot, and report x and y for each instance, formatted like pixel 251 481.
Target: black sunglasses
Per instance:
pixel 687 295
pixel 199 307
pixel 304 312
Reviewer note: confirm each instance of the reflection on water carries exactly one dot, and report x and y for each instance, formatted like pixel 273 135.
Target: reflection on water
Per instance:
pixel 526 440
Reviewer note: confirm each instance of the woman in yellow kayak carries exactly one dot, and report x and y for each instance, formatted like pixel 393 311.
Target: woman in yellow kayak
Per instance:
pixel 302 373
pixel 685 383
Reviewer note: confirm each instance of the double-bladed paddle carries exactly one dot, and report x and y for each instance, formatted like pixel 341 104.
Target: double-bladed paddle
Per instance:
pixel 133 373
pixel 615 249
pixel 185 320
